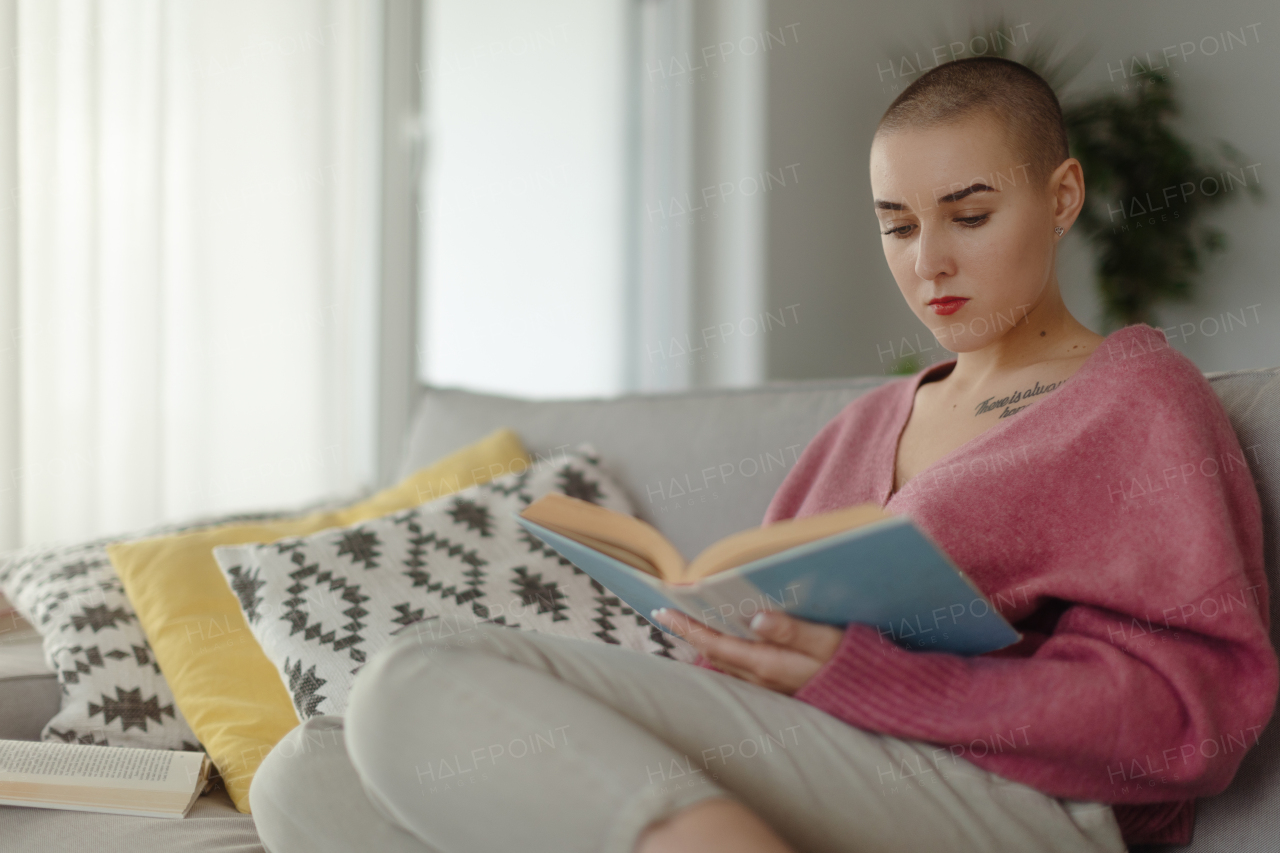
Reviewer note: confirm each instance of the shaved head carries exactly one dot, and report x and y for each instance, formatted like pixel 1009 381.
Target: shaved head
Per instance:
pixel 1015 95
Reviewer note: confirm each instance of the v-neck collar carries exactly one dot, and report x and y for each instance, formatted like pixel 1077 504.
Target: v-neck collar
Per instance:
pixel 906 404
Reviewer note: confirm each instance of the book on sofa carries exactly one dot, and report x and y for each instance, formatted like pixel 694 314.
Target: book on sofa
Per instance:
pixel 115 780
pixel 857 564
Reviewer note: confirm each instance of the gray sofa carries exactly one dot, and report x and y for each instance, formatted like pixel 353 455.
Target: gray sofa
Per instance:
pixel 699 466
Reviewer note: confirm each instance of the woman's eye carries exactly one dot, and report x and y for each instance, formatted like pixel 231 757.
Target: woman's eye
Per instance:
pixel 973 221
pixel 901 231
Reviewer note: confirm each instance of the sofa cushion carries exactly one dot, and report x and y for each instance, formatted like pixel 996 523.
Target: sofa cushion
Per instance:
pixel 226 687
pixel 112 690
pixel 321 605
pixel 698 465
pixel 651 441
pixel 31 693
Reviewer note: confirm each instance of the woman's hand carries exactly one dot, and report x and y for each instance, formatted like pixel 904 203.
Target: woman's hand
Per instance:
pixel 789 654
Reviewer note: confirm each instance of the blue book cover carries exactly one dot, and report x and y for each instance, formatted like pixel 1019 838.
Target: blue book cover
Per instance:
pixel 888 574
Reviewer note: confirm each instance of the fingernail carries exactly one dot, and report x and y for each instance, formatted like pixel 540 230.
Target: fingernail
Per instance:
pixel 655 613
pixel 759 621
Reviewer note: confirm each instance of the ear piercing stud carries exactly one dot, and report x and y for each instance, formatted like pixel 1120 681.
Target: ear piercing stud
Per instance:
pixel 1057 229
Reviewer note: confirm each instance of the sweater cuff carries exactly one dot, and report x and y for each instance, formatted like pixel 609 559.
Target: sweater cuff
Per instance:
pixel 875 685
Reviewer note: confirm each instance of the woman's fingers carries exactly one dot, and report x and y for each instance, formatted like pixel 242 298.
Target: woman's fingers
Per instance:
pixel 811 638
pixel 730 669
pixel 706 639
pixel 692 630
pixel 772 666
pixel 702 637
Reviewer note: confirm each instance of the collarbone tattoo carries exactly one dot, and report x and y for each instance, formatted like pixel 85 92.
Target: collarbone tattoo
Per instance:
pixel 1009 402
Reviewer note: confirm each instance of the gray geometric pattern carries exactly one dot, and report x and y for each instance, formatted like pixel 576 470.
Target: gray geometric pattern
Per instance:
pixel 113 692
pixel 321 605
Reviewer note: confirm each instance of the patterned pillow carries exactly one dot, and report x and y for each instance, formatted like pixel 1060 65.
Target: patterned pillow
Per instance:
pixel 113 692
pixel 321 605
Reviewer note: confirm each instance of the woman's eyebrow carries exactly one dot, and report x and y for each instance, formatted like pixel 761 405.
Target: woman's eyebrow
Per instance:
pixel 967 191
pixel 978 187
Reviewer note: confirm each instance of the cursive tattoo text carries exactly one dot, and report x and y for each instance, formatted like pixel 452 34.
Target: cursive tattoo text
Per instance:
pixel 1006 402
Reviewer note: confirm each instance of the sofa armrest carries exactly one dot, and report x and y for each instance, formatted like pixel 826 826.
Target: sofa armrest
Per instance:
pixel 29 692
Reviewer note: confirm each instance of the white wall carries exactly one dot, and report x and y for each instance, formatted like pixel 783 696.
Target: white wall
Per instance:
pixel 525 223
pixel 827 91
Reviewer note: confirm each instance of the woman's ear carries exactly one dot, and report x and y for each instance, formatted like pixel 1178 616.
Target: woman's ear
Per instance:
pixel 1066 187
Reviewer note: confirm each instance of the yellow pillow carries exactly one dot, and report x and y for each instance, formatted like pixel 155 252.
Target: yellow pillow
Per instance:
pixel 230 694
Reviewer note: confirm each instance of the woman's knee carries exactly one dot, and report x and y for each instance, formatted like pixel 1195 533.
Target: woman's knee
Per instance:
pixel 307 797
pixel 308 748
pixel 284 786
pixel 423 651
pixel 401 703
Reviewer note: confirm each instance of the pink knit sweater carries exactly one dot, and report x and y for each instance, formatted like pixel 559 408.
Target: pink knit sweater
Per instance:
pixel 1116 525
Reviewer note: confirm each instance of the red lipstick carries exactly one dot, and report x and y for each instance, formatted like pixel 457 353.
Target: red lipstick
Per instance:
pixel 947 304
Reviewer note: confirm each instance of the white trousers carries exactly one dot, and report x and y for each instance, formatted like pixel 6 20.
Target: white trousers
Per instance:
pixel 511 741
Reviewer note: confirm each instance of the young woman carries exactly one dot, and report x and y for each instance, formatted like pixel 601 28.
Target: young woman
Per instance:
pixel 1092 488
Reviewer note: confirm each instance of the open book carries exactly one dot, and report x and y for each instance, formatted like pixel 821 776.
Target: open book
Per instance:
pixel 857 564
pixel 115 780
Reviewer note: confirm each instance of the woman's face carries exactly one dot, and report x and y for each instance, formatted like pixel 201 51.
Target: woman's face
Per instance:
pixel 963 218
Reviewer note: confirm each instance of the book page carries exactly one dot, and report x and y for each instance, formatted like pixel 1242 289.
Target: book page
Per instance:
pixel 624 555
pixel 100 766
pixel 595 526
pixel 760 542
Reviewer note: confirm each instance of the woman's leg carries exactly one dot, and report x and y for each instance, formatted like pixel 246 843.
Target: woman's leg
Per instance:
pixel 712 826
pixel 523 741
pixel 306 796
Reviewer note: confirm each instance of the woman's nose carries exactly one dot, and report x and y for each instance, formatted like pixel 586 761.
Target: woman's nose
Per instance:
pixel 934 257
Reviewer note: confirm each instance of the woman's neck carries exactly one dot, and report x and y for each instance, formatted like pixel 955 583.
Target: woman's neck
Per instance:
pixel 1045 332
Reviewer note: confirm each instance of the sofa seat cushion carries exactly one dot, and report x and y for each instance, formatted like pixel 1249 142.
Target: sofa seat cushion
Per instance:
pixel 212 826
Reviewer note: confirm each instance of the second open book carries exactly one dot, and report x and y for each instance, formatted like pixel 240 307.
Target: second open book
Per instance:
pixel 857 564
pixel 160 783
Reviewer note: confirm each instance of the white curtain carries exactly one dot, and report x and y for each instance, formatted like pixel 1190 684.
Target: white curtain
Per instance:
pixel 196 239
